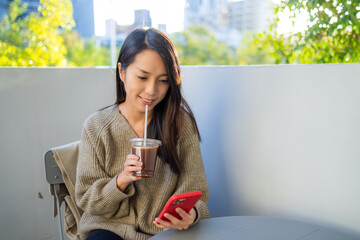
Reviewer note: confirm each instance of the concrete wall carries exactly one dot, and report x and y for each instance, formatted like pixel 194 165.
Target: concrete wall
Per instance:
pixel 40 109
pixel 277 140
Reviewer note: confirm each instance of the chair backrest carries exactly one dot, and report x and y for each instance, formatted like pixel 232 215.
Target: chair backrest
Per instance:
pixel 52 170
pixel 60 169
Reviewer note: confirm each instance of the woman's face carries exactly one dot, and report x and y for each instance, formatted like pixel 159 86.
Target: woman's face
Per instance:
pixel 146 81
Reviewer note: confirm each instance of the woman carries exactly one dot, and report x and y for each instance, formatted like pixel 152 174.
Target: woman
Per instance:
pixel 116 203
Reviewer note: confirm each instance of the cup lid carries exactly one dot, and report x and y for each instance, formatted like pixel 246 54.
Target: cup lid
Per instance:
pixel 149 140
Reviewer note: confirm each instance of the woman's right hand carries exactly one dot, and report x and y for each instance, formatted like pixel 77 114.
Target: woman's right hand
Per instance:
pixel 127 176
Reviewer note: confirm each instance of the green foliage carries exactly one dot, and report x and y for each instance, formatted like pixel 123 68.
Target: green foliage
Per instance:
pixel 197 46
pixel 332 34
pixel 34 40
pixel 255 48
pixel 85 53
pixel 45 38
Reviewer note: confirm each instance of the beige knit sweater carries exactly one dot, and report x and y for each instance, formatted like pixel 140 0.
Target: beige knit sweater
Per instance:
pixel 103 150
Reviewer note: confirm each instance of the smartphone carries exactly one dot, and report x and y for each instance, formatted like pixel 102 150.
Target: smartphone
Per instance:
pixel 185 201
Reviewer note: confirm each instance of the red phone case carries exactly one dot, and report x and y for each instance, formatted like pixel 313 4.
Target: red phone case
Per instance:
pixel 186 201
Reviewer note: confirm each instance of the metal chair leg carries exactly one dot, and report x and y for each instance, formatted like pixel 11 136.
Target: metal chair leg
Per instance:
pixel 57 192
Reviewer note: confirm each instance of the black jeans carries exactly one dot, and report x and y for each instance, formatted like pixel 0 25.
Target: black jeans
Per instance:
pixel 100 234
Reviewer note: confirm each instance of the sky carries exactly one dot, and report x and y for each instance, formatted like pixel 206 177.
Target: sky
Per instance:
pixel 287 26
pixel 169 12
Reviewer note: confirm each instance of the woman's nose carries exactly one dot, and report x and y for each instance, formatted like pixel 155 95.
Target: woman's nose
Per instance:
pixel 151 87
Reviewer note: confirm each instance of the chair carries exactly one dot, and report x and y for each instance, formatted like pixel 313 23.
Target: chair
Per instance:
pixel 60 170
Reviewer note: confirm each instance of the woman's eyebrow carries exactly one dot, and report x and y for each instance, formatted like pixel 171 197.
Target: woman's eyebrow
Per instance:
pixel 143 70
pixel 146 72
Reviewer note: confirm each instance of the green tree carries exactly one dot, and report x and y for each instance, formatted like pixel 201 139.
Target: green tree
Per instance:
pixel 34 40
pixel 197 46
pixel 332 34
pixel 255 48
pixel 82 52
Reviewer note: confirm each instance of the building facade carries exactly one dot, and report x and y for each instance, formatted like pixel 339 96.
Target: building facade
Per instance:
pixel 209 13
pixel 142 18
pixel 242 15
pixel 228 19
pixel 84 17
pixel 249 15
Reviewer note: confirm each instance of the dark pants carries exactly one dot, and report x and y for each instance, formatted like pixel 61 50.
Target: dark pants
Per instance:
pixel 100 234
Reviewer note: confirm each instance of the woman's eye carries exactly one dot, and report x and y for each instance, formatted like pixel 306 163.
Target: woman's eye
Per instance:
pixel 142 78
pixel 164 80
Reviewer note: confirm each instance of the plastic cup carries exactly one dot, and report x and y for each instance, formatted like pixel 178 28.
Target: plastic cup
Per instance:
pixel 147 151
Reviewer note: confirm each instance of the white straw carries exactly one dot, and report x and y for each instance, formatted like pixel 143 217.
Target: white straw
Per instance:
pixel 145 128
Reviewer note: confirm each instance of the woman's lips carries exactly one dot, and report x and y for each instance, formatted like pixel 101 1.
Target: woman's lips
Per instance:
pixel 146 101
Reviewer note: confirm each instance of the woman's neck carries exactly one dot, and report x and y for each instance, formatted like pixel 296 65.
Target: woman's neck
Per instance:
pixel 135 119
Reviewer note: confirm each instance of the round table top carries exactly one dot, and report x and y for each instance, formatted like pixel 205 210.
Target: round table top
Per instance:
pixel 253 228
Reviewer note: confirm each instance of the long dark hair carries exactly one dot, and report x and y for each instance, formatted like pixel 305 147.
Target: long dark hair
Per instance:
pixel 168 115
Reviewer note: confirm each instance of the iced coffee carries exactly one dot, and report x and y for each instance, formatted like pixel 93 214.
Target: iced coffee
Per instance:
pixel 147 152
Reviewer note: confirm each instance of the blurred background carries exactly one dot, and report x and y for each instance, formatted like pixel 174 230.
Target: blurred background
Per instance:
pixel 205 32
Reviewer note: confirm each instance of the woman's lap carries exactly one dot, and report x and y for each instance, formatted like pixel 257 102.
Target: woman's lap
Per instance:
pixel 100 234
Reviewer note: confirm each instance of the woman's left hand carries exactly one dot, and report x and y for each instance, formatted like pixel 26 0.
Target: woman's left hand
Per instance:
pixel 180 224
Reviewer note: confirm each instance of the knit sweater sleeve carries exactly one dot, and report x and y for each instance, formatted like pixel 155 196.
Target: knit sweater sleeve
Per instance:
pixel 193 177
pixel 96 192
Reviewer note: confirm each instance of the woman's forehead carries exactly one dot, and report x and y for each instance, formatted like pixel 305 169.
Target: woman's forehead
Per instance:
pixel 148 61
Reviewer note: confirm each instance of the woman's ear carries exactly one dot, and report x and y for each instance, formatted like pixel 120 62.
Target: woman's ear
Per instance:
pixel 121 71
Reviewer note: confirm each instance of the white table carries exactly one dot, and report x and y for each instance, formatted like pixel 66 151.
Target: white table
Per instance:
pixel 253 228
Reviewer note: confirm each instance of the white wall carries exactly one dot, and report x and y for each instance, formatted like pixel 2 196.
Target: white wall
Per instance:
pixel 40 109
pixel 281 140
pixel 277 140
